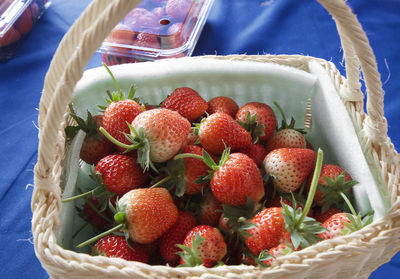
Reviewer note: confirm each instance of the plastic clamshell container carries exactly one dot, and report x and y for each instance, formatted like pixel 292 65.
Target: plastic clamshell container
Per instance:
pixel 17 18
pixel 156 29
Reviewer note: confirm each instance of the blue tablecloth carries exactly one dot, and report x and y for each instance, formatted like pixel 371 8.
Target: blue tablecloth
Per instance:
pixel 233 26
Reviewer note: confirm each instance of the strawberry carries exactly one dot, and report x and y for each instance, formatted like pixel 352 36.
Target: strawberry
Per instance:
pixel 210 210
pixel 121 34
pixel 178 9
pixel 192 138
pixel 258 118
pixel 236 179
pixel 333 182
pixel 194 169
pixel 187 102
pixel 116 246
pixel 219 130
pixel 223 104
pixel 24 23
pixel 174 38
pixel 96 214
pixel 120 173
pixel 282 249
pixel 277 224
pixel 95 146
pixel 269 231
pixel 334 225
pixel 176 235
pixel 147 40
pixel 285 138
pixel 203 245
pixel 119 111
pixel 165 130
pixel 158 134
pixel 140 20
pixel 11 36
pixel 146 213
pixel 286 135
pixel 255 151
pixel 117 114
pixel 289 167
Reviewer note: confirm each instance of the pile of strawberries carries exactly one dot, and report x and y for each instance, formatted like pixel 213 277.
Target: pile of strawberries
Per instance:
pixel 195 182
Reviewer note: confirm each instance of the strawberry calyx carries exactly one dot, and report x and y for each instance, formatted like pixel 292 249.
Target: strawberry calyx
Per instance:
pixel 209 161
pixel 285 125
pixel 190 255
pixel 118 95
pixel 239 216
pixel 304 230
pixel 89 125
pixel 138 141
pixel 333 194
pixel 253 127
pixel 356 221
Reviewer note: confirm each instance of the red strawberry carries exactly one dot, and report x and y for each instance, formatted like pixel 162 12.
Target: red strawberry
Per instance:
pixel 219 130
pixel 265 118
pixel 116 246
pixel 210 210
pixel 269 231
pixel 187 102
pixel 121 34
pixel 333 180
pixel 121 173
pixel 203 245
pixel 117 114
pixel 140 19
pixel 237 179
pixel 255 151
pixel 289 167
pixel 193 170
pixel 95 146
pixel 24 23
pixel 93 213
pixel 147 40
pixel 223 104
pixel 176 235
pixel 11 36
pixel 178 9
pixel 334 225
pixel 148 213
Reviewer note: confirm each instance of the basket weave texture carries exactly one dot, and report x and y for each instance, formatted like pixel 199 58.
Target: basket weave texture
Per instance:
pixel 356 255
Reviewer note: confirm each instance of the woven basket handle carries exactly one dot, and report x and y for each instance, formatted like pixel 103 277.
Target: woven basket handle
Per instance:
pixel 97 21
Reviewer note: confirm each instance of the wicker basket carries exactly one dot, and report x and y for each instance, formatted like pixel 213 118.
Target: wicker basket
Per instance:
pixel 357 254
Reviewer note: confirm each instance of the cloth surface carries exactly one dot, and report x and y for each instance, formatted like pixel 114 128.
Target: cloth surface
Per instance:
pixel 233 27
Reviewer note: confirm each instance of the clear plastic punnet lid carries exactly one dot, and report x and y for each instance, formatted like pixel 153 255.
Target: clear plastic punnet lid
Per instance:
pixel 17 18
pixel 157 29
pixel 10 12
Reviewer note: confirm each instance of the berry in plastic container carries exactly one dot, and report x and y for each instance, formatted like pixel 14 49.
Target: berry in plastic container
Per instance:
pixel 156 29
pixel 17 18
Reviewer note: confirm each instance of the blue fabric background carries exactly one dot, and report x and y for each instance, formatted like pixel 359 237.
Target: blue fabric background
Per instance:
pixel 233 26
